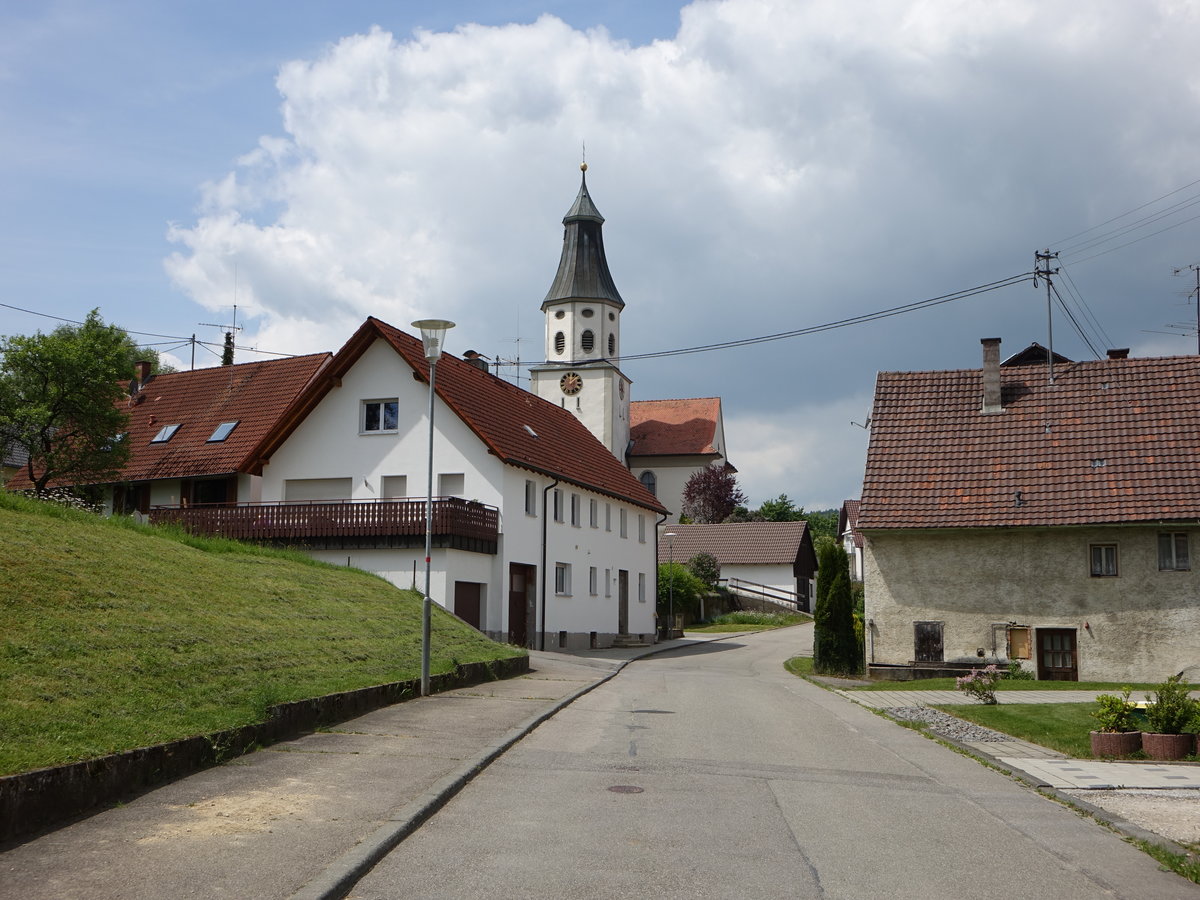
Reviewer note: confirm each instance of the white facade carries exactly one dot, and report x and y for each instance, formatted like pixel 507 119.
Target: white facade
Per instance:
pixel 332 448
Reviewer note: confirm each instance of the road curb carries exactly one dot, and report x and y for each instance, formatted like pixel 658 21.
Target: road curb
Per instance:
pixel 337 880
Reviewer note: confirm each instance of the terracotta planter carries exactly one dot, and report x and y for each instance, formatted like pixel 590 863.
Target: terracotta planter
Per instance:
pixel 1168 746
pixel 1116 744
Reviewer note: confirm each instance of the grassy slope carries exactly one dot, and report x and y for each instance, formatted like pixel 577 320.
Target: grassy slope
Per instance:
pixel 114 636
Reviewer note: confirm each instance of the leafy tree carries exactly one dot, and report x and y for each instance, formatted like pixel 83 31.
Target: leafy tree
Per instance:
pixel 781 509
pixel 705 567
pixel 822 522
pixel 835 646
pixel 711 494
pixel 59 395
pixel 678 589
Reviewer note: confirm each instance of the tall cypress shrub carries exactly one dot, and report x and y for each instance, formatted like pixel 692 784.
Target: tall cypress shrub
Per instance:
pixel 835 650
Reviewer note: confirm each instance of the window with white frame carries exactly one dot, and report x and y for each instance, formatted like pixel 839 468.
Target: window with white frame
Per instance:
pixel 530 498
pixel 593 513
pixel 624 514
pixel 608 517
pixel 592 581
pixel 562 578
pixel 641 528
pixel 558 506
pixel 1103 560
pixel 575 510
pixel 379 416
pixel 452 484
pixel 1173 552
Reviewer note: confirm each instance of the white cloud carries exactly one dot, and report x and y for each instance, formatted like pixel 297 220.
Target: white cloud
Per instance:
pixel 774 166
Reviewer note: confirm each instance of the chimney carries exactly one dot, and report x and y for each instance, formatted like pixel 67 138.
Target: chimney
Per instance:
pixel 991 376
pixel 474 359
pixel 141 370
pixel 1122 353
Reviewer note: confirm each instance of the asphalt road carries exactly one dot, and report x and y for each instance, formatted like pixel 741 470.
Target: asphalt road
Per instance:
pixel 711 772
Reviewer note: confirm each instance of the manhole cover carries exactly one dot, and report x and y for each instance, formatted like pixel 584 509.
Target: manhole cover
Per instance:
pixel 626 789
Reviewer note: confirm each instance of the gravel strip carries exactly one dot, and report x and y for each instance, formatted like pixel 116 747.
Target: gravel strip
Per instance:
pixel 947 725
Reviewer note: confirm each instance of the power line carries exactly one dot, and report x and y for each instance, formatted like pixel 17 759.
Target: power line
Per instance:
pixel 1128 213
pixel 841 323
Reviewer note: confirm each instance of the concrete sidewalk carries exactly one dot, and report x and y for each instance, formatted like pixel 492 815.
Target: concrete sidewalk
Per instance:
pixel 302 818
pixel 1041 766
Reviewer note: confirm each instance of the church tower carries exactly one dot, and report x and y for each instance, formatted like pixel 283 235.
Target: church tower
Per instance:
pixel 583 331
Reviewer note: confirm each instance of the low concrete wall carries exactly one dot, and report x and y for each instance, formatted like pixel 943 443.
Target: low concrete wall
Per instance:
pixel 34 800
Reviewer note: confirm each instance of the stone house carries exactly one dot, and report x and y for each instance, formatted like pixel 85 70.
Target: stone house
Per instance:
pixel 1037 514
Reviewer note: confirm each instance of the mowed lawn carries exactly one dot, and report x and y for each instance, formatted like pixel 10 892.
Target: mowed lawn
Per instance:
pixel 114 636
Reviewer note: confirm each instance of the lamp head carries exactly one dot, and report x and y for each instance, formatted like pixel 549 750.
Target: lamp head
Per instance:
pixel 433 336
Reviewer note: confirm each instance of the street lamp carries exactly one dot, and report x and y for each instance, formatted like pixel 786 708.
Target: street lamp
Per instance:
pixel 670 536
pixel 433 336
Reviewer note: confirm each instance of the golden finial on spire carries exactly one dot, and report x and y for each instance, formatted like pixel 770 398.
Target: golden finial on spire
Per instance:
pixel 583 164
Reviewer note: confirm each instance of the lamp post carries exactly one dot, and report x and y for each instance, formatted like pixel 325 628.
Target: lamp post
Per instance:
pixel 433 335
pixel 670 536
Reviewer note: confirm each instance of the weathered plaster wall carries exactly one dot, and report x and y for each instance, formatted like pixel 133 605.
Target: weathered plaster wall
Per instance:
pixel 1140 625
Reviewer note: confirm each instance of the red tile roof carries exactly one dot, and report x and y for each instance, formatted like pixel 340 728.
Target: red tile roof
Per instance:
pixel 252 394
pixel 1110 441
pixel 674 427
pixel 497 412
pixel 848 521
pixel 737 543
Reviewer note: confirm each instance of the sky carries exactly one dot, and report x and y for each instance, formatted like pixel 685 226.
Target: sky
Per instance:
pixel 764 167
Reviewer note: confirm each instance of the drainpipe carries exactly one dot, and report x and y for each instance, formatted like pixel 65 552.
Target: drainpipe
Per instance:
pixel 542 631
pixel 657 525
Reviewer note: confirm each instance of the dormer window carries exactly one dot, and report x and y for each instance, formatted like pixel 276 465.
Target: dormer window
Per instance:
pixel 222 431
pixel 164 434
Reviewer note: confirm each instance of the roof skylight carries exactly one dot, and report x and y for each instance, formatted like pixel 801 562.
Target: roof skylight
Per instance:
pixel 164 434
pixel 223 431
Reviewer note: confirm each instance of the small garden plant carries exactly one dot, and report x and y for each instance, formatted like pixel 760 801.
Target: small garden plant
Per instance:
pixel 1115 714
pixel 1172 711
pixel 980 684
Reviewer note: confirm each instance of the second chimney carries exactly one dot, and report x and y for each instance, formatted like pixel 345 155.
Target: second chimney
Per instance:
pixel 991 376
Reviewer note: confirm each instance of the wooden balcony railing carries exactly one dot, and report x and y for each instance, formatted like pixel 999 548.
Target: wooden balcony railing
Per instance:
pixel 457 523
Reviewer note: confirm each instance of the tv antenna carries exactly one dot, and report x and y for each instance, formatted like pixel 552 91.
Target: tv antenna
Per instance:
pixel 1192 293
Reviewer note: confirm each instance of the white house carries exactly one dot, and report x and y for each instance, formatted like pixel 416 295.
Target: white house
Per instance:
pixel 542 537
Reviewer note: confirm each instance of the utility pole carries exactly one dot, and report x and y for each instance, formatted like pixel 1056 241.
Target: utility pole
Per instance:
pixel 1194 293
pixel 1043 259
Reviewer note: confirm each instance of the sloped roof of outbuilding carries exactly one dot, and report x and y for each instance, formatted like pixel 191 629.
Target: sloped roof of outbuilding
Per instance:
pixel 737 543
pixel 518 427
pixel 1108 442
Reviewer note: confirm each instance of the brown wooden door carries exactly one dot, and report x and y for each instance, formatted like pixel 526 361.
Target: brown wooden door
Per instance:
pixel 1057 654
pixel 466 602
pixel 927 642
pixel 522 599
pixel 622 602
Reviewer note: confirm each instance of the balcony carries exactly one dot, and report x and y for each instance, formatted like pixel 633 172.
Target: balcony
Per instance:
pixel 343 524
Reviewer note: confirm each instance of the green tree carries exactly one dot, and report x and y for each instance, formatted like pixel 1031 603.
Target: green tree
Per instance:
pixel 781 509
pixel 678 589
pixel 822 522
pixel 835 647
pixel 711 494
pixel 59 396
pixel 705 567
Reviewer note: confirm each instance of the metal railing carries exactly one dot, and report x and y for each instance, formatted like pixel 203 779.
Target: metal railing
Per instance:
pixel 779 596
pixel 309 520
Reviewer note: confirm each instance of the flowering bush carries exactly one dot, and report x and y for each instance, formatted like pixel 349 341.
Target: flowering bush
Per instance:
pixel 64 497
pixel 980 684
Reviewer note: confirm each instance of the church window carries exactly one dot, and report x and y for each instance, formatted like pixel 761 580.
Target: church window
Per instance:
pixel 559 314
pixel 612 316
pixel 588 313
pixel 650 481
pixel 560 342
pixel 588 340
pixel 612 344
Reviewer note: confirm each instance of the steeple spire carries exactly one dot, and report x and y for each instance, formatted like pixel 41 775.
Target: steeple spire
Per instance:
pixel 583 269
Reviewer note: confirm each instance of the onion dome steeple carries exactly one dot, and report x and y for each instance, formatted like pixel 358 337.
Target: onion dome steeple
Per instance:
pixel 583 270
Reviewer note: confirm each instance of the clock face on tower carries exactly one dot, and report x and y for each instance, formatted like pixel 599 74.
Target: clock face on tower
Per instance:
pixel 571 383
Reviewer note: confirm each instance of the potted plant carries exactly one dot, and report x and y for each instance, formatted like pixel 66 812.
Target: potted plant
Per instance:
pixel 1171 718
pixel 1118 736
